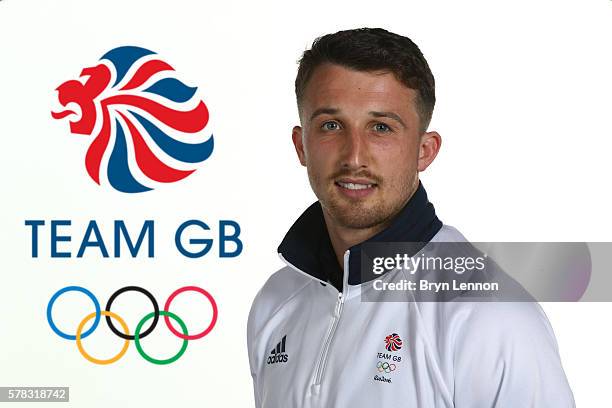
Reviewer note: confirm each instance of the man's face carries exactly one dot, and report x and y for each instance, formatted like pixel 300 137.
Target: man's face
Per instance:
pixel 361 144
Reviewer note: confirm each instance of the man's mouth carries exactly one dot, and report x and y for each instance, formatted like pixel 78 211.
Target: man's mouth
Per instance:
pixel 355 188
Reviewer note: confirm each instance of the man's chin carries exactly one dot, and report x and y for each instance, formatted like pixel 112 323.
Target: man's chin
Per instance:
pixel 359 221
pixel 357 215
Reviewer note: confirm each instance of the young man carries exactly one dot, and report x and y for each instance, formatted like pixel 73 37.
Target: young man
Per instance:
pixel 365 98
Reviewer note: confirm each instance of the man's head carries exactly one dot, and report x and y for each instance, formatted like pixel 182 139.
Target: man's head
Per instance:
pixel 365 99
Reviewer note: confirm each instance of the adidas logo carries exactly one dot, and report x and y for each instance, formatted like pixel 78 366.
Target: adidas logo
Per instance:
pixel 278 355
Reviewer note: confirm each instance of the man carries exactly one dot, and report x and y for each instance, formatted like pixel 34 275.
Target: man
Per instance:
pixel 365 98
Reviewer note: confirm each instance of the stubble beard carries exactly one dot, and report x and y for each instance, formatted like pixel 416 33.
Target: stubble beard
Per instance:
pixel 360 213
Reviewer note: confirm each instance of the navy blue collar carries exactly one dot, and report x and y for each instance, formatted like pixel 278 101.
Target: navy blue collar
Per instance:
pixel 307 245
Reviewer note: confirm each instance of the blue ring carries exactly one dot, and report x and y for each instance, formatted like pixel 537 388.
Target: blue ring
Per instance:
pixel 75 289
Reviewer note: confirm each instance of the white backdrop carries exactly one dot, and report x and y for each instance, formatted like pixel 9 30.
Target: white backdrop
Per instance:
pixel 523 92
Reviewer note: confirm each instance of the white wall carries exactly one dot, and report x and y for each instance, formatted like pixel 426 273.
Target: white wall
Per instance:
pixel 523 93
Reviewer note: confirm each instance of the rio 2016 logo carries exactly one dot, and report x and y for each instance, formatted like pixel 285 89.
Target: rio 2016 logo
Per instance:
pixel 148 127
pixel 139 333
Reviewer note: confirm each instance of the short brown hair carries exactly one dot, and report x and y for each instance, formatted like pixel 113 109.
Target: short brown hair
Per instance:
pixel 373 49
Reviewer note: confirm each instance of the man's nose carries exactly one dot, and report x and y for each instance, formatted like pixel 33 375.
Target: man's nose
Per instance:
pixel 355 150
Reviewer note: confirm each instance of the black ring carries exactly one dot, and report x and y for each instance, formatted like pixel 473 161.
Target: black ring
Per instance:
pixel 144 292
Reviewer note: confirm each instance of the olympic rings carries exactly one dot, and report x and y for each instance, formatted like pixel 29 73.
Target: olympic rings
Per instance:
pixel 212 322
pixel 386 367
pixel 72 289
pixel 80 346
pixel 136 289
pixel 138 335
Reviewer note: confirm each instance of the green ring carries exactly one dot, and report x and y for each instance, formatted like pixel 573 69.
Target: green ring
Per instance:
pixel 145 355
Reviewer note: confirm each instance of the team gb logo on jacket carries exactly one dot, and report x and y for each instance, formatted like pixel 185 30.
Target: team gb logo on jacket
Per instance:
pixel 146 126
pixel 388 362
pixel 393 342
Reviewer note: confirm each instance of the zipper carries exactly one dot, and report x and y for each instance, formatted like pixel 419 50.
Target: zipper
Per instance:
pixel 333 324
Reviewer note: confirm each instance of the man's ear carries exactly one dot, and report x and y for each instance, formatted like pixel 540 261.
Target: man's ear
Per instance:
pixel 296 135
pixel 428 149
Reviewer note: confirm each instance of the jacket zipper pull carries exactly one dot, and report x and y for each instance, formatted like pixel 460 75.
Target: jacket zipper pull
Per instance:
pixel 338 304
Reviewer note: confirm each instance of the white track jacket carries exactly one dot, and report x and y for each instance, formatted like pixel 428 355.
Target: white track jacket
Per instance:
pixel 312 342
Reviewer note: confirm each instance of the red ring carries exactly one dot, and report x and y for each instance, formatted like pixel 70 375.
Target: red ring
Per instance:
pixel 212 322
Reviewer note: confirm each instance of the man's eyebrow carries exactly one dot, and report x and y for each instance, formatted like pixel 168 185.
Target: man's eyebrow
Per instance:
pixel 322 111
pixel 391 115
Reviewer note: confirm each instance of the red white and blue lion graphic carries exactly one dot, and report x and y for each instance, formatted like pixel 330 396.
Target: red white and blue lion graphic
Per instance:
pixel 148 126
pixel 393 342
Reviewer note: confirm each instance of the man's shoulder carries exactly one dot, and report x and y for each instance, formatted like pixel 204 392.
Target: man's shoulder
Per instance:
pixel 448 233
pixel 503 321
pixel 283 284
pixel 510 350
pixel 494 322
pixel 278 289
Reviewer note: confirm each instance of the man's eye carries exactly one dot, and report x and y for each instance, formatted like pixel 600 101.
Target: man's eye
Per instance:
pixel 381 127
pixel 330 126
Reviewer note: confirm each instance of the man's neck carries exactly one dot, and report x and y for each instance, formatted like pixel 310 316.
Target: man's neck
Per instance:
pixel 342 238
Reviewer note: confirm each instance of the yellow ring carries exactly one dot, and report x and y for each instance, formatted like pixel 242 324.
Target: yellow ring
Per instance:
pixel 82 350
